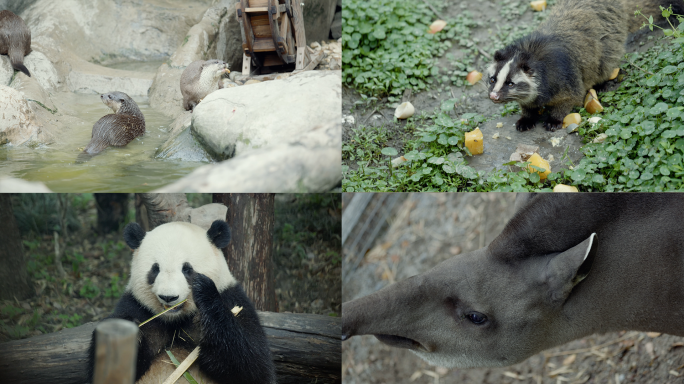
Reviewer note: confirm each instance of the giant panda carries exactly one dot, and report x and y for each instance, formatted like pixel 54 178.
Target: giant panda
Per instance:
pixel 180 260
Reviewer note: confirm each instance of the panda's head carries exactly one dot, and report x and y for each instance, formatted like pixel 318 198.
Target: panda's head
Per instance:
pixel 166 259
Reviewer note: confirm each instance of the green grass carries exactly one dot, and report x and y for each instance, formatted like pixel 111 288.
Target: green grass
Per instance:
pixel 643 121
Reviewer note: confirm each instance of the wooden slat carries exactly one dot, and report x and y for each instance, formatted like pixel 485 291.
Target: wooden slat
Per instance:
pixel 258 3
pixel 261 26
pixel 246 64
pixel 272 59
pixel 263 45
pixel 256 10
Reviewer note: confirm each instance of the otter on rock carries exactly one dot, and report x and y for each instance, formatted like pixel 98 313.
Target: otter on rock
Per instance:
pixel 15 40
pixel 199 79
pixel 118 129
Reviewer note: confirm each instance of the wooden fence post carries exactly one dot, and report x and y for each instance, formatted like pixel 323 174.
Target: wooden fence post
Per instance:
pixel 115 352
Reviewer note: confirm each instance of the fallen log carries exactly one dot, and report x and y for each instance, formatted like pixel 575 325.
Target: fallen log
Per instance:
pixel 306 349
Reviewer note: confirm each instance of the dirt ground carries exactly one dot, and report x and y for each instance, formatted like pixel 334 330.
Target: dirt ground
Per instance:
pixel 425 229
pixel 306 260
pixel 472 99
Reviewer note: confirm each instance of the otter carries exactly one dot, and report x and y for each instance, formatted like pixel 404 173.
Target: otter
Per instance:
pixel 117 129
pixel 15 40
pixel 199 79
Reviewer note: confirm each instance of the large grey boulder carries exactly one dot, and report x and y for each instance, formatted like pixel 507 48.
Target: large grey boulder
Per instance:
pixel 318 17
pixel 104 31
pixel 309 162
pixel 13 185
pixel 6 70
pixel 42 70
pixel 232 121
pixel 165 94
pixel 17 120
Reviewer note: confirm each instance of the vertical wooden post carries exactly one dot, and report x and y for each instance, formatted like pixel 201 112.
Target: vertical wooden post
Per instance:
pixel 116 351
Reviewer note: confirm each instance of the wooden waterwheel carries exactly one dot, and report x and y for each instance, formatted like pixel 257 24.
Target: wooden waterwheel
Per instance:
pixel 272 34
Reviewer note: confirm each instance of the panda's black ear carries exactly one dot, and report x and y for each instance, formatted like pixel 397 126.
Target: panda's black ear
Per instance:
pixel 133 235
pixel 219 234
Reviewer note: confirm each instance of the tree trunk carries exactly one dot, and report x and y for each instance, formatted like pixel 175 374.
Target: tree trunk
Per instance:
pixel 249 254
pixel 14 280
pixel 306 349
pixel 155 209
pixel 111 211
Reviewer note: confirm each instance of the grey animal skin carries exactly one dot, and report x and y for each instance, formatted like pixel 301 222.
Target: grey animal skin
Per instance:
pixel 199 79
pixel 15 40
pixel 564 267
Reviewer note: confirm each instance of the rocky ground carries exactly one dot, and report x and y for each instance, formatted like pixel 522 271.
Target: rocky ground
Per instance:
pixel 425 229
pixel 306 260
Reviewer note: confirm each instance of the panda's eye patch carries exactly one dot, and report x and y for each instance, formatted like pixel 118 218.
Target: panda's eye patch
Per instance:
pixel 187 269
pixel 152 274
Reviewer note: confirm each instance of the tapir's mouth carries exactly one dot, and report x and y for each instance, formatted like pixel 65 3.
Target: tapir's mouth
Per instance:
pixel 401 342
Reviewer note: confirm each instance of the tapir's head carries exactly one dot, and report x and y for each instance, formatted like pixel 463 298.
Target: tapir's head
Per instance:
pixel 475 309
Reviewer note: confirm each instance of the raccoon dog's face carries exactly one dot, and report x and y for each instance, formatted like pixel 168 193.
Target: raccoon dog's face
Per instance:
pixel 512 78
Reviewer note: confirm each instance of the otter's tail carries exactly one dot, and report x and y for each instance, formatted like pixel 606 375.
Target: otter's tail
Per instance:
pixel 17 59
pixel 650 8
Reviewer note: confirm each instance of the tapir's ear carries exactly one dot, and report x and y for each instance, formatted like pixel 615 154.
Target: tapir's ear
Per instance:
pixel 567 269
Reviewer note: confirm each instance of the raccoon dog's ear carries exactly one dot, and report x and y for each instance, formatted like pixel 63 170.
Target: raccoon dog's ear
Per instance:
pixel 499 55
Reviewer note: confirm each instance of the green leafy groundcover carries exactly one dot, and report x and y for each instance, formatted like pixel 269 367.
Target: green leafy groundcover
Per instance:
pixel 643 127
pixel 386 47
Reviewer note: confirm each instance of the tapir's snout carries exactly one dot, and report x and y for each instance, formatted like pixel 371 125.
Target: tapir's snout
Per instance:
pixel 389 314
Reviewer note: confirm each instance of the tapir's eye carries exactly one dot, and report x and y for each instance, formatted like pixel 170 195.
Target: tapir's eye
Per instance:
pixel 476 317
pixel 492 80
pixel 510 84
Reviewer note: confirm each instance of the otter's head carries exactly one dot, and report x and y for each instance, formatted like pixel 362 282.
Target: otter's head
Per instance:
pixel 214 69
pixel 115 100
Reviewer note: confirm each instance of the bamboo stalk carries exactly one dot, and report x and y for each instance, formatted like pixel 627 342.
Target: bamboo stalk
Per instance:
pixel 183 366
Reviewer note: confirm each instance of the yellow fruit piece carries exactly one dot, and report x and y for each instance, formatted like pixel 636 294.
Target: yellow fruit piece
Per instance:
pixel 539 5
pixel 615 73
pixel 437 26
pixel 474 142
pixel 591 103
pixel 573 118
pixel 473 77
pixel 564 188
pixel 538 161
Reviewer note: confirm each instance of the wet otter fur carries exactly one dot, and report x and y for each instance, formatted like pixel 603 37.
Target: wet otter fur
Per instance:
pixel 199 79
pixel 15 40
pixel 118 129
pixel 575 49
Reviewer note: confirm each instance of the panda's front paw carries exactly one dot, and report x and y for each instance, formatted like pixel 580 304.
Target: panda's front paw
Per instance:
pixel 203 290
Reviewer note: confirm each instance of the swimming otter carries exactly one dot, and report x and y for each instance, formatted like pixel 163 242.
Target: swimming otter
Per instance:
pixel 199 79
pixel 118 129
pixel 15 40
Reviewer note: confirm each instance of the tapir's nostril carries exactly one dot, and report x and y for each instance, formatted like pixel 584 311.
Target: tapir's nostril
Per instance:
pixel 168 299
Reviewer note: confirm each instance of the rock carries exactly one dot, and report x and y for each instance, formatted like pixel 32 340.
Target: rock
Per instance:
pixel 181 145
pixel 32 91
pixel 165 93
pixel 102 31
pixel 17 120
pixel 205 215
pixel 232 121
pixel 42 70
pixel 12 185
pixel 6 70
pixel 95 79
pixel 16 6
pixel 309 162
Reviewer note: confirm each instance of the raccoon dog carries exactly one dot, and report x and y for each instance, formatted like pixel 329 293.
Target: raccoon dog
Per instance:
pixel 575 49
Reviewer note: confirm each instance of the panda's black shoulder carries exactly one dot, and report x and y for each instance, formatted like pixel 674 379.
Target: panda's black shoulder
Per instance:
pixel 130 308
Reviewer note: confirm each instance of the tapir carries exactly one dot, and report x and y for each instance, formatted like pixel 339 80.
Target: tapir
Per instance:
pixel 564 267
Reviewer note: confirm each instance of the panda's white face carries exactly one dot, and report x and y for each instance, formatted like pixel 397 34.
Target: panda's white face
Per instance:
pixel 163 265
